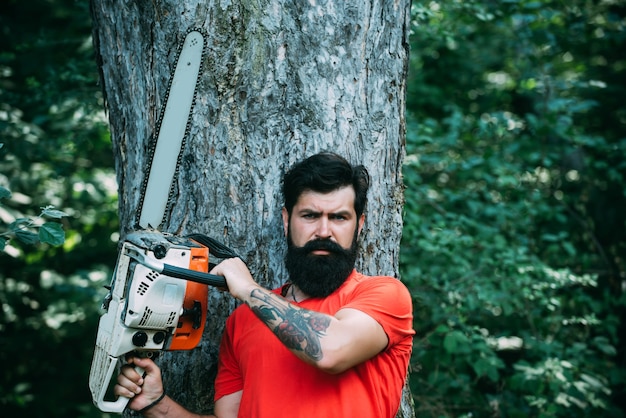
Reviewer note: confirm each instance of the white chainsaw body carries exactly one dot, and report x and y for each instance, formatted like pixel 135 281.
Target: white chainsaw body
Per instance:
pixel 144 308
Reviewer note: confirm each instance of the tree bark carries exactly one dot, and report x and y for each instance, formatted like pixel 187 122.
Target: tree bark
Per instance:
pixel 281 81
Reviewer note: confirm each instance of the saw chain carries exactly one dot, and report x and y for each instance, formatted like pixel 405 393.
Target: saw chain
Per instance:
pixel 173 128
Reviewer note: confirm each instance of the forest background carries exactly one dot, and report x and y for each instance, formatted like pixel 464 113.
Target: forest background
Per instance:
pixel 515 217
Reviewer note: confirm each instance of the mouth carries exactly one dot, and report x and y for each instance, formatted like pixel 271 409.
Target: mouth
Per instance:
pixel 320 252
pixel 322 247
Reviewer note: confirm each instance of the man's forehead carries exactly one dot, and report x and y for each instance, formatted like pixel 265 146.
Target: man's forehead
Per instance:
pixel 337 200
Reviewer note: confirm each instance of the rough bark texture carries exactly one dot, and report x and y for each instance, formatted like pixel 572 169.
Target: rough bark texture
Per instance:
pixel 282 80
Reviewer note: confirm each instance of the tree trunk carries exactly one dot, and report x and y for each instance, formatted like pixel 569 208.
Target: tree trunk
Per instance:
pixel 280 81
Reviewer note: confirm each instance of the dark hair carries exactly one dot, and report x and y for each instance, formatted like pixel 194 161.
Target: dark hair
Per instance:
pixel 324 173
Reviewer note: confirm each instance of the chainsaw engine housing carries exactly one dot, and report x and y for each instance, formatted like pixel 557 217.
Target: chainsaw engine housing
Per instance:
pixel 146 311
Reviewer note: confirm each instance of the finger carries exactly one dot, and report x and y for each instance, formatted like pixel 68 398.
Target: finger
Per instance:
pixel 147 364
pixel 129 372
pixel 126 387
pixel 122 391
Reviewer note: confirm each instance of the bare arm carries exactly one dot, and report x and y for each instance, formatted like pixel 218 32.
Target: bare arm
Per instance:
pixel 228 406
pixel 331 343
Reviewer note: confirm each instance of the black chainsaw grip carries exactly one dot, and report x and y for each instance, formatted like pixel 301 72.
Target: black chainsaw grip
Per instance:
pixel 194 276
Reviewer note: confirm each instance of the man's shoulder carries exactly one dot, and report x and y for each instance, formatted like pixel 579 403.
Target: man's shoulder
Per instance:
pixel 384 298
pixel 381 288
pixel 356 275
pixel 360 279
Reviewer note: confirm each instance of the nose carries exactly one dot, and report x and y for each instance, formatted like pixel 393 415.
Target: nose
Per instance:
pixel 323 228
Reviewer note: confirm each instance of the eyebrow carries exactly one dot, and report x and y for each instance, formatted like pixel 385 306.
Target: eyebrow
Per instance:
pixel 344 213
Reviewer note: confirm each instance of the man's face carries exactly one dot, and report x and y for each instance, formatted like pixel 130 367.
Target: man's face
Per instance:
pixel 322 234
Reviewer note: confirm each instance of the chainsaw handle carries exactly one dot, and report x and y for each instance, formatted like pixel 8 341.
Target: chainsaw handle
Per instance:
pixel 118 405
pixel 194 276
pixel 174 271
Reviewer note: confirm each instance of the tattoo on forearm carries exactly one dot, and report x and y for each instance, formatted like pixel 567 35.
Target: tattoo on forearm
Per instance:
pixel 297 328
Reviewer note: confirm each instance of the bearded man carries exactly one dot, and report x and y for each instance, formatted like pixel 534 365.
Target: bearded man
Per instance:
pixel 330 342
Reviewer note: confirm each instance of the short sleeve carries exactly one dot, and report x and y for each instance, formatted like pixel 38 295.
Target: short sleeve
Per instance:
pixel 389 302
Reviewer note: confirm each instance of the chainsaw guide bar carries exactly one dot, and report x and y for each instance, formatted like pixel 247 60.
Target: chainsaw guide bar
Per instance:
pixel 173 128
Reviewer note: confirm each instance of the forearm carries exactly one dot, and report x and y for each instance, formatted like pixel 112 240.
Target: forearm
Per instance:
pixel 168 408
pixel 300 330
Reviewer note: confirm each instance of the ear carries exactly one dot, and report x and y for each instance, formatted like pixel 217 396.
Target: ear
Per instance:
pixel 285 221
pixel 361 223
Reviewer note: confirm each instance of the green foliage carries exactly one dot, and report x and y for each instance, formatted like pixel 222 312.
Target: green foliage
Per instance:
pixel 56 156
pixel 514 220
pixel 24 228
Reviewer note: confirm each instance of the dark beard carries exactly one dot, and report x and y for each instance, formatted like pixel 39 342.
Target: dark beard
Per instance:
pixel 320 275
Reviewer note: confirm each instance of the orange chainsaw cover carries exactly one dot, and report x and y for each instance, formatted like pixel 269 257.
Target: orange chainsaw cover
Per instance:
pixel 186 335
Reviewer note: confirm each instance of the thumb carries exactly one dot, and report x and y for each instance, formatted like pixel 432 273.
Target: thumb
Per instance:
pixel 147 364
pixel 151 372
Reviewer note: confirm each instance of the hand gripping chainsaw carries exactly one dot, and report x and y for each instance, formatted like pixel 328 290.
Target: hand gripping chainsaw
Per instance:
pixel 148 307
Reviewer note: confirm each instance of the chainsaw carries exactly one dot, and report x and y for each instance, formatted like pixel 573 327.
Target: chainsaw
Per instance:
pixel 158 294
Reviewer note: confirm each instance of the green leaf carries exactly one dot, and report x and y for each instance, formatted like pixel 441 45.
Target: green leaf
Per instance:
pixel 50 212
pixel 442 329
pixel 19 223
pixel 52 233
pixel 3 242
pixel 4 193
pixel 27 237
pixel 604 345
pixel 569 247
pixel 455 342
pixel 483 367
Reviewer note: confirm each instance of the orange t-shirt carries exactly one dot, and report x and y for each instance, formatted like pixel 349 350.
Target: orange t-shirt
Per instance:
pixel 275 383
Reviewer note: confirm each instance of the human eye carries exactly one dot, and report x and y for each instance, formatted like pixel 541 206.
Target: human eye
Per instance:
pixel 338 217
pixel 309 215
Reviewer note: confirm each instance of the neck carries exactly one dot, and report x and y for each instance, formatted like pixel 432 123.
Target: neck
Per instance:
pixel 293 294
